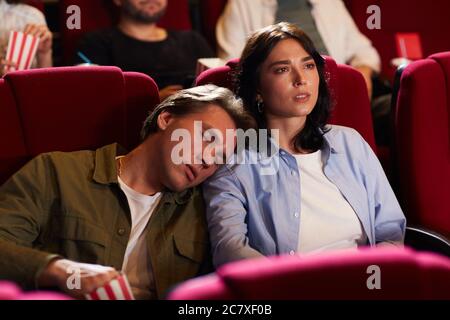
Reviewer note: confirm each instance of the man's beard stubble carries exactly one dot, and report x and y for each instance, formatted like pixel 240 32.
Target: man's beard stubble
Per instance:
pixel 133 12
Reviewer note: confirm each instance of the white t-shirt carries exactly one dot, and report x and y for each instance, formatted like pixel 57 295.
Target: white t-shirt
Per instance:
pixel 14 17
pixel 136 263
pixel 327 221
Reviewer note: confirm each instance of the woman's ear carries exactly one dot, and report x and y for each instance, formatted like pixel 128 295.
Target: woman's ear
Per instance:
pixel 164 119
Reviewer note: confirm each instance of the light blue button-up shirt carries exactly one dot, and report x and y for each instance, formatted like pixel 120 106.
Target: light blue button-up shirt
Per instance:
pixel 254 209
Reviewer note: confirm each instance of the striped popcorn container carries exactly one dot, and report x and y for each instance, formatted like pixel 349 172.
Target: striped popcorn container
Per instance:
pixel 21 50
pixel 117 289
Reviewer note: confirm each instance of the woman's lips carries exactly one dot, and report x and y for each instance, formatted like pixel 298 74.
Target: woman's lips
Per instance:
pixel 302 97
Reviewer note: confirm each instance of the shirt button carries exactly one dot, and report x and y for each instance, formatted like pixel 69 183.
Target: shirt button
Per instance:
pixel 121 231
pixel 296 215
pixel 283 153
pixel 294 173
pixel 292 252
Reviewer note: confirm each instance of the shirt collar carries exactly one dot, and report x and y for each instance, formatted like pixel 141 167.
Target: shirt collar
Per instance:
pixel 330 141
pixel 105 172
pixel 330 145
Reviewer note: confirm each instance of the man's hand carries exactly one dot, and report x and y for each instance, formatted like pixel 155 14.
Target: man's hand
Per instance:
pixel 168 91
pixel 5 65
pixel 44 51
pixel 367 73
pixel 61 273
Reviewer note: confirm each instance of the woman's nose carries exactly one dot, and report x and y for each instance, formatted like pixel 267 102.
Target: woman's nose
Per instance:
pixel 298 80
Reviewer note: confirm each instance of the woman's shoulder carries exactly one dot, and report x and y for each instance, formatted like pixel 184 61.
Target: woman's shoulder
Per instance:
pixel 342 131
pixel 345 137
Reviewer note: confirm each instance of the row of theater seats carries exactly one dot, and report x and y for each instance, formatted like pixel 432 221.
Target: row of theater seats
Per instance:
pixel 404 275
pixel 400 16
pixel 396 16
pixel 75 108
pixel 351 275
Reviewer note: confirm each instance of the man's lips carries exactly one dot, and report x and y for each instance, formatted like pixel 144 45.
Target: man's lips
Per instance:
pixel 190 172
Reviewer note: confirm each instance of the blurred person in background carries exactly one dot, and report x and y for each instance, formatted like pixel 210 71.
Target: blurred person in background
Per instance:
pixel 17 16
pixel 138 44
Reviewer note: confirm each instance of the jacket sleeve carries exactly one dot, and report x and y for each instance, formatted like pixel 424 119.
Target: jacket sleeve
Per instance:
pixel 226 214
pixel 23 214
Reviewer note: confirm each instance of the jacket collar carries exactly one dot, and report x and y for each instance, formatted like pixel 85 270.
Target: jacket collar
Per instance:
pixel 105 172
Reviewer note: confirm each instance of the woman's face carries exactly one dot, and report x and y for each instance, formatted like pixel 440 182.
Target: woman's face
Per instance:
pixel 289 81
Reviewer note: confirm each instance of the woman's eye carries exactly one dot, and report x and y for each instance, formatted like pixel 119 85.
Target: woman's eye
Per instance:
pixel 310 66
pixel 281 70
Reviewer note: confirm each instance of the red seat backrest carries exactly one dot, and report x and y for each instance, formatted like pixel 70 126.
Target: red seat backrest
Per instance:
pixel 38 4
pixel 405 274
pixel 76 108
pixel 422 134
pixel 13 152
pixel 347 87
pixel 403 16
pixel 11 291
pixel 210 11
pixel 101 14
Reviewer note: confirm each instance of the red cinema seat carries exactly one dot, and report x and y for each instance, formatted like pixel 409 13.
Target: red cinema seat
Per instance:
pixel 76 108
pixel 404 274
pixel 210 11
pixel 38 4
pixel 403 16
pixel 10 291
pixel 13 153
pixel 347 86
pixel 422 135
pixel 101 14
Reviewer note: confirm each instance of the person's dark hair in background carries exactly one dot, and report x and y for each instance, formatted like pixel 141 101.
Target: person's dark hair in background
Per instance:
pixel 255 53
pixel 138 44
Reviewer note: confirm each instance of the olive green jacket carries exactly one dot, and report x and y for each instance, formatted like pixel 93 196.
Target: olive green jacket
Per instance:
pixel 70 205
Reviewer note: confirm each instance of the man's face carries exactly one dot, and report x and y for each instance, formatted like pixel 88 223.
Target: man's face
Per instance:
pixel 186 158
pixel 144 11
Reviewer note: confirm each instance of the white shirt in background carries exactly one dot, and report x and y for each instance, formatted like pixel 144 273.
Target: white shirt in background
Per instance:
pixel 327 221
pixel 339 32
pixel 136 263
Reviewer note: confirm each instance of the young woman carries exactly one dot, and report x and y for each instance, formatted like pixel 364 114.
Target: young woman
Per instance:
pixel 326 191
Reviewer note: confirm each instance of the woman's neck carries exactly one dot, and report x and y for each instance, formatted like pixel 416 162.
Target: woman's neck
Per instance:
pixel 288 129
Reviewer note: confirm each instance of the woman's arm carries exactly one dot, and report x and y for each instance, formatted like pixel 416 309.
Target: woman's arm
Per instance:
pixel 226 213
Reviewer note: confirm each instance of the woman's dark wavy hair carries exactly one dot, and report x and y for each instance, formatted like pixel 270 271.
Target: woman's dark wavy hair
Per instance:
pixel 247 77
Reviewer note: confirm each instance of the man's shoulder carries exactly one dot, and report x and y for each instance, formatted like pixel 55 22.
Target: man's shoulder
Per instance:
pixel 106 34
pixel 185 35
pixel 61 157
